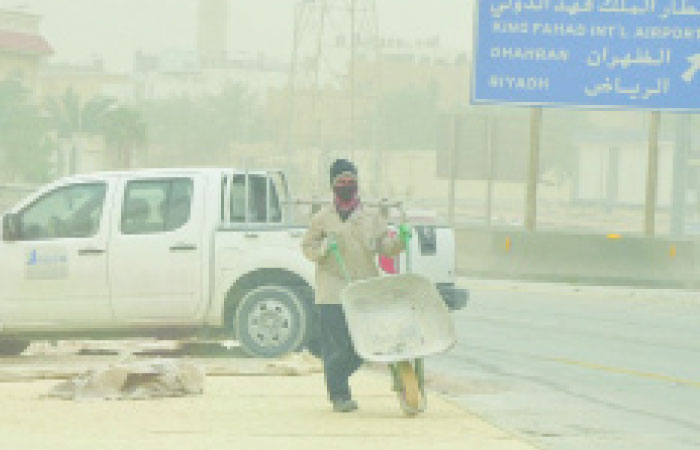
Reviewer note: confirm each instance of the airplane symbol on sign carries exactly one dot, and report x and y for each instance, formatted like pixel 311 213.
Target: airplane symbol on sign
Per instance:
pixel 689 74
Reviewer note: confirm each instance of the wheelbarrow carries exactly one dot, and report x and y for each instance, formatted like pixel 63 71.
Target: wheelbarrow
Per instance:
pixel 398 320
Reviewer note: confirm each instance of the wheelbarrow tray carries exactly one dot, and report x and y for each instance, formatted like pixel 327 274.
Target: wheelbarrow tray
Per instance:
pixel 397 318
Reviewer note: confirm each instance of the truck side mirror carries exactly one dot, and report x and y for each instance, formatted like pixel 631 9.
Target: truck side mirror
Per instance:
pixel 10 227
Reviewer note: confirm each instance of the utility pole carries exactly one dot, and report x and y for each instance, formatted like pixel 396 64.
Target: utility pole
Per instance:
pixel 291 86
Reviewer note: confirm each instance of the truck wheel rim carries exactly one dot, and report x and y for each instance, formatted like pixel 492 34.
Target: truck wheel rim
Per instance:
pixel 270 323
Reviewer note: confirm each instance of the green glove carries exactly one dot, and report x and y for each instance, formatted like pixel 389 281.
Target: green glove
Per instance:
pixel 335 251
pixel 331 245
pixel 405 233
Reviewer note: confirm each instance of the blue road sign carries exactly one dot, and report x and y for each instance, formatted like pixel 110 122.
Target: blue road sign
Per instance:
pixel 588 53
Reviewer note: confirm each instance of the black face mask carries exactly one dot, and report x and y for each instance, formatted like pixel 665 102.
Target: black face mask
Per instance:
pixel 346 193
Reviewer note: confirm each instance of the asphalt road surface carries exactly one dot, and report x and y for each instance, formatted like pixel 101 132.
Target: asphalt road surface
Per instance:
pixel 579 368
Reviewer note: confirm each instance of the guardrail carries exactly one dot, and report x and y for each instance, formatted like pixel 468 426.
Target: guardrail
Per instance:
pixel 561 256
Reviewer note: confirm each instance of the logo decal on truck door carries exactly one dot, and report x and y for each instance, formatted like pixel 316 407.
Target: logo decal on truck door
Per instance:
pixel 47 264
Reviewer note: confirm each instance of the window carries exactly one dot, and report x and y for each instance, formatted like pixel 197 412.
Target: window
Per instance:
pixel 257 200
pixel 156 206
pixel 73 211
pixel 427 238
pixel 238 199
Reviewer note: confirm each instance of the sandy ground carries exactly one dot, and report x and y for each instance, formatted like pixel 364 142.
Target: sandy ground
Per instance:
pixel 244 412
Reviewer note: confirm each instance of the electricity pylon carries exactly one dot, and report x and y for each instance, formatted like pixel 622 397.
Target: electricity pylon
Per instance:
pixel 331 38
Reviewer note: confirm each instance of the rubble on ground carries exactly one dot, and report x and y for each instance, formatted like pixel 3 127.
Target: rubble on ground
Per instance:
pixel 295 364
pixel 138 380
pixel 77 361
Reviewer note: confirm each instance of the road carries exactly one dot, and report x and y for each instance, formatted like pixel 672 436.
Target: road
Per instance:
pixel 578 368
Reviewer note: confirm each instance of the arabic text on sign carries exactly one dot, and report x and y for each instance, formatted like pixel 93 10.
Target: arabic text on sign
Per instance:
pixel 663 9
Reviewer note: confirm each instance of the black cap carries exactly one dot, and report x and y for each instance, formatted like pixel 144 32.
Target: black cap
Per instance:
pixel 342 165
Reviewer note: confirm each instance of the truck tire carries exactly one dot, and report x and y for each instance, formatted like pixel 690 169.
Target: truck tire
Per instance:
pixel 270 321
pixel 12 347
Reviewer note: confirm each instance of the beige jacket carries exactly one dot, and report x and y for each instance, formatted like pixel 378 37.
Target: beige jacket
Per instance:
pixel 360 239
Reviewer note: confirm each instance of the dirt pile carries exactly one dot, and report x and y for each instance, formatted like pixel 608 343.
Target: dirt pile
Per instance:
pixel 139 380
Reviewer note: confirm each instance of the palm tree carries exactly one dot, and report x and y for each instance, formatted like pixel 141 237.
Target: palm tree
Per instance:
pixel 72 117
pixel 124 129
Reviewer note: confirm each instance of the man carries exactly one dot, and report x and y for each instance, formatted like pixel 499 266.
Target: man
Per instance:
pixel 359 235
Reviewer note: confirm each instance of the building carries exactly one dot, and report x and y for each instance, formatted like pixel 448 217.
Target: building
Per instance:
pixel 23 50
pixel 179 74
pixel 86 80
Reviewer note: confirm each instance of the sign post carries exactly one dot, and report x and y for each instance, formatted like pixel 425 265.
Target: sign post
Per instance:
pixel 533 169
pixel 680 174
pixel 491 150
pixel 652 175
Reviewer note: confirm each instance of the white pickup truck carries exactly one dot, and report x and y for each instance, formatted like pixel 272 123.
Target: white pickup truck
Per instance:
pixel 171 253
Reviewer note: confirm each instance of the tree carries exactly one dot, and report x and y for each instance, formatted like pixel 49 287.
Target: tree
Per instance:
pixel 71 117
pixel 25 145
pixel 185 130
pixel 124 129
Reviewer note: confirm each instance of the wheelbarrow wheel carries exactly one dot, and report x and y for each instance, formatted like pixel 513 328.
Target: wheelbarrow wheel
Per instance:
pixel 410 397
pixel 410 411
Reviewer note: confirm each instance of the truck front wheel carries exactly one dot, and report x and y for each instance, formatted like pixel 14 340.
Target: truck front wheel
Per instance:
pixel 12 347
pixel 270 321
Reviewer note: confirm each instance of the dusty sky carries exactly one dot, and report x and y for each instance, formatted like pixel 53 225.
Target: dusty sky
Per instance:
pixel 115 29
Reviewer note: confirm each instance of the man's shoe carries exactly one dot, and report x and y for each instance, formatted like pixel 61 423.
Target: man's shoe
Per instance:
pixel 344 406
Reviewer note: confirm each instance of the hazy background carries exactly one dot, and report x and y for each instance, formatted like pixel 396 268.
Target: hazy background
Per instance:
pixel 129 84
pixel 115 29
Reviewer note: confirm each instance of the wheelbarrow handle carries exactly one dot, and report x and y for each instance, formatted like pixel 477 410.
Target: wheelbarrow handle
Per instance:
pixel 333 247
pixel 405 234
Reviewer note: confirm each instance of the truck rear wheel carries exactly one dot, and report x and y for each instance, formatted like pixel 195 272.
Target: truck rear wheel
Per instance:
pixel 12 347
pixel 270 321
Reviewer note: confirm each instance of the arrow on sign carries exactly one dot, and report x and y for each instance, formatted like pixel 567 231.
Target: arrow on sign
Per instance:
pixel 689 74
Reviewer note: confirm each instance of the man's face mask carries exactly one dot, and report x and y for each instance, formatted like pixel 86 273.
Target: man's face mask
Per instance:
pixel 345 187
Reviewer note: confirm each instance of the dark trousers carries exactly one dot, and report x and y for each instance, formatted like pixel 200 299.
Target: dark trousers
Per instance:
pixel 339 357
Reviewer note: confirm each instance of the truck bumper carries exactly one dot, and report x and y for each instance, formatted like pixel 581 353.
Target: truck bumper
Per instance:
pixel 455 298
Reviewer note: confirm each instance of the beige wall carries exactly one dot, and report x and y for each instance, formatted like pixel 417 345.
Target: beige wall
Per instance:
pixel 25 67
pixel 85 84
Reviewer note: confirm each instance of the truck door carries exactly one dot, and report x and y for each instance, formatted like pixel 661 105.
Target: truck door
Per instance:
pixel 157 252
pixel 55 274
